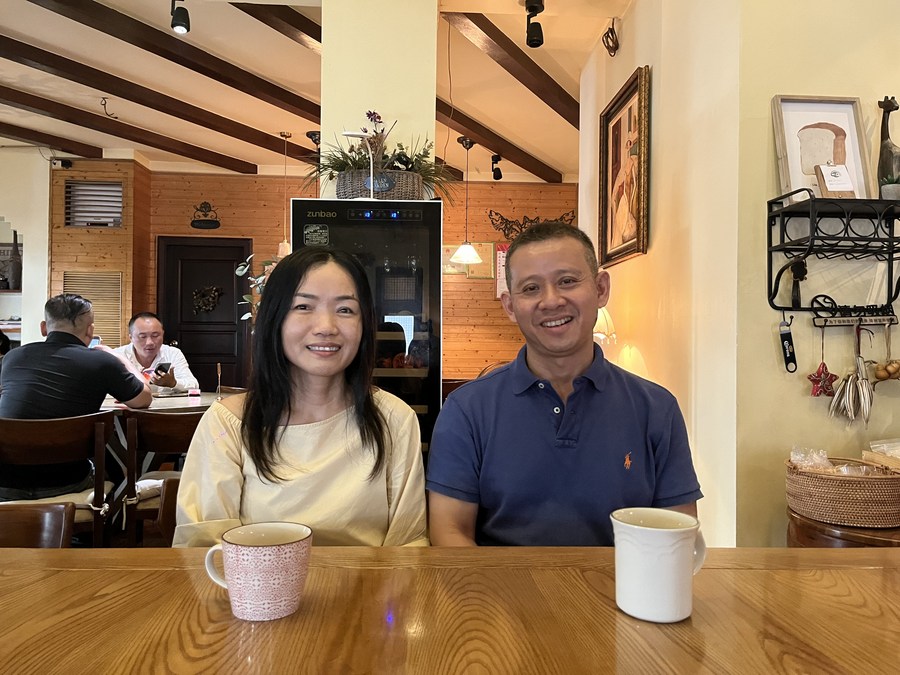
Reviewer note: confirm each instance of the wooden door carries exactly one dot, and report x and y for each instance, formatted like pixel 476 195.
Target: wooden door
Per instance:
pixel 197 300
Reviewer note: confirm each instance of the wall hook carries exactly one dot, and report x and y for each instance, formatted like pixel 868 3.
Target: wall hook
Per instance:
pixel 785 320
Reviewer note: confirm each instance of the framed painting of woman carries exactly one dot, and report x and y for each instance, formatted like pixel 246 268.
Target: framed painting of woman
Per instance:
pixel 625 171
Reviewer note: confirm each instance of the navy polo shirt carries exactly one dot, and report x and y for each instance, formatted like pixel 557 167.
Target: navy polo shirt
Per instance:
pixel 548 474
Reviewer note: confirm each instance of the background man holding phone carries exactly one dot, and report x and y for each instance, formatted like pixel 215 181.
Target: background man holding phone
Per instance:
pixel 164 366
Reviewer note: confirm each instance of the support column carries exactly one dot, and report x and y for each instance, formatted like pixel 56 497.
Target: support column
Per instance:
pixel 379 56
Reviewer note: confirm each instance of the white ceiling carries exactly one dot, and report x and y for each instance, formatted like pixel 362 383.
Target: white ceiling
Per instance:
pixel 481 88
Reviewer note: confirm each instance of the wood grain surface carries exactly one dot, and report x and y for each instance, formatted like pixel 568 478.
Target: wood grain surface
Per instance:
pixel 370 610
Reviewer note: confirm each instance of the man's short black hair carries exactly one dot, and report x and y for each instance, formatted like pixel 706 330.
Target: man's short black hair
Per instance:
pixel 66 307
pixel 142 315
pixel 545 231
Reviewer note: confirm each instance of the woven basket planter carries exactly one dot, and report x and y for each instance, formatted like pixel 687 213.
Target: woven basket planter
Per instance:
pixel 352 184
pixel 859 501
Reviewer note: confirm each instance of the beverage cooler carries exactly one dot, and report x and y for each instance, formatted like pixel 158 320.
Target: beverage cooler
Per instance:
pixel 399 245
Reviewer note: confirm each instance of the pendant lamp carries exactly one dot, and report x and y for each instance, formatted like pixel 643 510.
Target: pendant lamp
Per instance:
pixel 466 253
pixel 284 248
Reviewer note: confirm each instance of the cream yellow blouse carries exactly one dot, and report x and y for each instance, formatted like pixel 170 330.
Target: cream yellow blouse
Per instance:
pixel 326 482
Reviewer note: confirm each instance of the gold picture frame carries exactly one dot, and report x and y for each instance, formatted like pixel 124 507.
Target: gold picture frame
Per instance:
pixel 484 269
pixel 625 171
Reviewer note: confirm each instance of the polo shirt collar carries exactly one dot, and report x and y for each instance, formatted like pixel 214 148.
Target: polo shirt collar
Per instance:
pixel 522 378
pixel 61 337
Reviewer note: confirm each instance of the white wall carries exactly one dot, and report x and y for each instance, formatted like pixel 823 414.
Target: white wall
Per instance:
pixel 675 308
pixel 25 203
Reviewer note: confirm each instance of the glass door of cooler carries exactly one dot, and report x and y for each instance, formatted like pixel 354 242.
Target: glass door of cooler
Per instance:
pixel 399 245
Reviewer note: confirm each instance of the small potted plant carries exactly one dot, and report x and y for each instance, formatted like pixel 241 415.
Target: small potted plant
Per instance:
pixel 890 188
pixel 399 171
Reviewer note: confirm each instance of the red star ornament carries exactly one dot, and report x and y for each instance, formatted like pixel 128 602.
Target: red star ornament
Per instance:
pixel 822 381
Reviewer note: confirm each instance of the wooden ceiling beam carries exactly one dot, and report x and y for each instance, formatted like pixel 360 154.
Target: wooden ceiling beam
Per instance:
pixel 478 30
pixel 118 25
pixel 286 21
pixel 107 125
pixel 33 137
pixel 455 119
pixel 60 66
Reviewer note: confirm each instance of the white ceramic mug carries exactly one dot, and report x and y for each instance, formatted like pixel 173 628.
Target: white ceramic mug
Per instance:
pixel 658 552
pixel 265 568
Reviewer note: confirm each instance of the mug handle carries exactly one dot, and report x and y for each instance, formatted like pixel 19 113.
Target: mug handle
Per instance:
pixel 699 552
pixel 214 573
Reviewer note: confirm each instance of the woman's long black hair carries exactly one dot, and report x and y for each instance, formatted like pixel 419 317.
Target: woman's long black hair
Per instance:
pixel 268 401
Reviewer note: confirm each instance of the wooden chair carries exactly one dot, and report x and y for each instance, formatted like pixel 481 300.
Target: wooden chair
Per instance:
pixel 168 498
pixel 62 440
pixel 36 525
pixel 165 434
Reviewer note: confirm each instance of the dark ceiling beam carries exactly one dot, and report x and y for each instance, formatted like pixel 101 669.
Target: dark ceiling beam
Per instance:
pixel 478 30
pixel 33 137
pixel 448 169
pixel 34 57
pixel 516 62
pixel 286 21
pixel 455 119
pixel 102 18
pixel 107 125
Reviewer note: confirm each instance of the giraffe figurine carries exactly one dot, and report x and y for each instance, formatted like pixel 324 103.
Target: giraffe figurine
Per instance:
pixel 889 154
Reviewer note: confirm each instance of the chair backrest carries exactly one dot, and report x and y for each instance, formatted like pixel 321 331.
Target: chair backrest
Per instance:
pixel 60 440
pixel 36 525
pixel 163 433
pixel 54 441
pixel 168 498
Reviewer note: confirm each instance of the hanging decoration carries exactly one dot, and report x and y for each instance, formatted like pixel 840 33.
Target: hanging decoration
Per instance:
pixel 206 299
pixel 513 228
pixel 822 380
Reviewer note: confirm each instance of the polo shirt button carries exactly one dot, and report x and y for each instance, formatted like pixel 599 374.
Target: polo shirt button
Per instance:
pixel 540 385
pixel 556 410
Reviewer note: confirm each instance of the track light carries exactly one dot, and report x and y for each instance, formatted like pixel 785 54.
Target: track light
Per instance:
pixel 534 34
pixel 495 170
pixel 181 20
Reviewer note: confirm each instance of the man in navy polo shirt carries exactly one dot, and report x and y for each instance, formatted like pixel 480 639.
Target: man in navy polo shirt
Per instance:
pixel 539 452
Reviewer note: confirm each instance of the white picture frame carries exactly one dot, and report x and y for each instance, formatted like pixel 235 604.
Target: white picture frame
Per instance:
pixel 812 130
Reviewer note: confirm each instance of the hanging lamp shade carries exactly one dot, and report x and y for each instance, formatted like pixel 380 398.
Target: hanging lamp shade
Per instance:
pixel 466 253
pixel 284 248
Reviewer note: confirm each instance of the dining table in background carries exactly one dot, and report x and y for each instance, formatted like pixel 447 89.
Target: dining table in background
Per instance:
pixel 439 611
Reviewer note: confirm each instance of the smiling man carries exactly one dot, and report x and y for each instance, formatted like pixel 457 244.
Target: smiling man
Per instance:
pixel 541 451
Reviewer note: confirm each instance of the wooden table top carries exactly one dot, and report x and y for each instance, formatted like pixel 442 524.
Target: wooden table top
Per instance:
pixel 173 403
pixel 442 610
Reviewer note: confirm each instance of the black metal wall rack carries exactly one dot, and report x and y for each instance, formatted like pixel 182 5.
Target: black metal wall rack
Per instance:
pixel 828 228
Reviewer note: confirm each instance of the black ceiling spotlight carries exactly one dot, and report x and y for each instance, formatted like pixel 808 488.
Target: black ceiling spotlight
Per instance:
pixel 495 170
pixel 181 20
pixel 534 34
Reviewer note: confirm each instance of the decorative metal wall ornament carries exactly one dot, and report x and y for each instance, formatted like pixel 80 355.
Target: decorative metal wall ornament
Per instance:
pixel 206 299
pixel 202 220
pixel 513 228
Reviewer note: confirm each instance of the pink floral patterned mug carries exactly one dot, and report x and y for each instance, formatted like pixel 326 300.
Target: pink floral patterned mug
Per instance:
pixel 265 568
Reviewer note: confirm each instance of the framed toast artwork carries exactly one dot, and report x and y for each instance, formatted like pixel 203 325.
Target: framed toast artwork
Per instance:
pixel 816 131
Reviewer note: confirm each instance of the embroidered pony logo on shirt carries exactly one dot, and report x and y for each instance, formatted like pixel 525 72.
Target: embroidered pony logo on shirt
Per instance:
pixel 628 461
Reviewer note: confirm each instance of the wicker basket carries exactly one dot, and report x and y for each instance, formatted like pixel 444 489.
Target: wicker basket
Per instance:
pixel 352 184
pixel 860 501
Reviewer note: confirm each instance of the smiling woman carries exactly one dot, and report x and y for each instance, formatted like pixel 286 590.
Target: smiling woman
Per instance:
pixel 312 441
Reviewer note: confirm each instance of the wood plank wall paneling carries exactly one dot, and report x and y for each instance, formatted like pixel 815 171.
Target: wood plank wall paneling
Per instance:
pixel 476 330
pixel 92 248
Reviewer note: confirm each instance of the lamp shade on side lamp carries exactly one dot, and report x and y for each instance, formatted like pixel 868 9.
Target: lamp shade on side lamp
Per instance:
pixel 466 255
pixel 604 328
